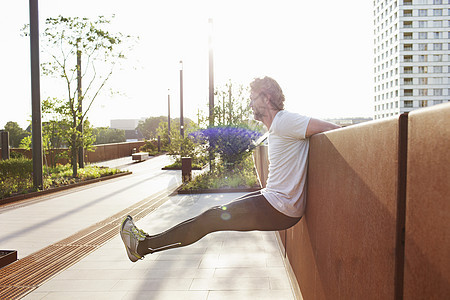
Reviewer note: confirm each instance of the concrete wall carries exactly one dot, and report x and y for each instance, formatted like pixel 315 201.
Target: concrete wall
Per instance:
pixel 366 184
pixel 101 152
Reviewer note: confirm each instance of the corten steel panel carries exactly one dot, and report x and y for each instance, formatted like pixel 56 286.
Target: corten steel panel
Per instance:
pixel 345 245
pixel 427 237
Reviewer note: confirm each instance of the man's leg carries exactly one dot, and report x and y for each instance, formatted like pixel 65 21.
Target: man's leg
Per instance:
pixel 249 212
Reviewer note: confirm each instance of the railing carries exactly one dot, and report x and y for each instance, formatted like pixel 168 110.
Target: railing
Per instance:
pixel 376 220
pixel 100 153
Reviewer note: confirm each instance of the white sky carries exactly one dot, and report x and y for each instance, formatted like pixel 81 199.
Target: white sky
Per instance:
pixel 320 52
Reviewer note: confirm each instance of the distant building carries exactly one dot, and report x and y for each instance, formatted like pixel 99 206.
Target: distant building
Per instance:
pixel 132 134
pixel 411 55
pixel 344 122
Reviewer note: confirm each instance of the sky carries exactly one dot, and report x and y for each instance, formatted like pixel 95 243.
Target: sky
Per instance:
pixel 320 52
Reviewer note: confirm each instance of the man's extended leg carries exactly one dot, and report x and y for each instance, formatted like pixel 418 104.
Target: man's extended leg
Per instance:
pixel 250 212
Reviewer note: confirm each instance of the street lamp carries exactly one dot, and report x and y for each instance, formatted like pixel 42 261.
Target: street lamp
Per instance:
pixel 35 97
pixel 211 74
pixel 181 101
pixel 168 117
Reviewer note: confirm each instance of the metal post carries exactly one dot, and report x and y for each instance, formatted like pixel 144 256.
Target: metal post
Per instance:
pixel 186 169
pixel 4 137
pixel 35 96
pixel 211 75
pixel 211 86
pixel 80 107
pixel 181 100
pixel 168 114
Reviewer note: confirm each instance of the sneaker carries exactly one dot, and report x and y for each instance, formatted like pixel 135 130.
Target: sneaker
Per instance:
pixel 131 236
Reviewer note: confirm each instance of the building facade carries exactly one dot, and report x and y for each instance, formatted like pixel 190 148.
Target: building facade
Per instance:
pixel 411 55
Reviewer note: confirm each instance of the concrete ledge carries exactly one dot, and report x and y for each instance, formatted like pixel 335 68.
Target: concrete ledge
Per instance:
pixel 140 156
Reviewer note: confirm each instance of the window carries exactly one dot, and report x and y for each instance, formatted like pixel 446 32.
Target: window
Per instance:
pixel 423 70
pixel 437 69
pixel 407 81
pixel 423 13
pixel 423 103
pixel 407 24
pixel 437 2
pixel 437 92
pixel 407 58
pixel 407 13
pixel 423 80
pixel 407 47
pixel 423 35
pixel 422 24
pixel 408 70
pixel 408 103
pixel 423 58
pixel 407 2
pixel 437 80
pixel 423 92
pixel 437 23
pixel 407 35
pixel 437 57
pixel 437 12
pixel 437 46
pixel 437 102
pixel 423 47
pixel 408 92
pixel 437 35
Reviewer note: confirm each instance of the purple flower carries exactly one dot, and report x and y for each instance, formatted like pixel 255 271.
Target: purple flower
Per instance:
pixel 229 141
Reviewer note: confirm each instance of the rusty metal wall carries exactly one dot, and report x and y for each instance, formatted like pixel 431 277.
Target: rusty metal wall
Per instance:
pixel 377 214
pixel 344 248
pixel 427 238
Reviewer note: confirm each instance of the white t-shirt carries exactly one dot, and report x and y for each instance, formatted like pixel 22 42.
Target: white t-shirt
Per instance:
pixel 288 163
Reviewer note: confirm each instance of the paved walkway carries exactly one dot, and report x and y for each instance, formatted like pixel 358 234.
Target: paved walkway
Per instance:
pixel 223 265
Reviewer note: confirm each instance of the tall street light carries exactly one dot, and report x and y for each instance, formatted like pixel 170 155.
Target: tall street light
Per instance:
pixel 168 114
pixel 181 100
pixel 36 125
pixel 211 74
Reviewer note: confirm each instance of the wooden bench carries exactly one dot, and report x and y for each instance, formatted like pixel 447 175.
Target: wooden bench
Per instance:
pixel 140 156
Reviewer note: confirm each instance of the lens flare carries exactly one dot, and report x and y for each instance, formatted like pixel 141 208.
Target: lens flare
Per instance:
pixel 225 216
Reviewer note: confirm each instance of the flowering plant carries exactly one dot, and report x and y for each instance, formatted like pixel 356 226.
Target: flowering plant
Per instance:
pixel 230 142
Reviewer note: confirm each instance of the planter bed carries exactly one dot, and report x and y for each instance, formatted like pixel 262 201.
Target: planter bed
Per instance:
pixel 7 257
pixel 57 189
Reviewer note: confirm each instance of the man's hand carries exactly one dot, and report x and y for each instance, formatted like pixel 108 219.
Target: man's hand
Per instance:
pixel 317 126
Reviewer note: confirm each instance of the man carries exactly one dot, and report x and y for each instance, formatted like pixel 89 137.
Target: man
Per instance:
pixel 278 206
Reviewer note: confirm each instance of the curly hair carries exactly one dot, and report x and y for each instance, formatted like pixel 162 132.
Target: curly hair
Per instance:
pixel 270 88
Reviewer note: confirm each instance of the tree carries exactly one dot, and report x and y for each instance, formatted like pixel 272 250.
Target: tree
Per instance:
pixel 150 125
pixel 106 135
pixel 16 133
pixel 79 51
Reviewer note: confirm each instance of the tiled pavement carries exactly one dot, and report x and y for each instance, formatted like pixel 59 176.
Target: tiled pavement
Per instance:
pixel 223 265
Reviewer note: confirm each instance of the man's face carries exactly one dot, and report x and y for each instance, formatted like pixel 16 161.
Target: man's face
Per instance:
pixel 258 105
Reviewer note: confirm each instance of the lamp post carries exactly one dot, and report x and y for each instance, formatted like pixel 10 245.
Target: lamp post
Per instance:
pixel 181 101
pixel 35 96
pixel 211 74
pixel 168 114
pixel 211 86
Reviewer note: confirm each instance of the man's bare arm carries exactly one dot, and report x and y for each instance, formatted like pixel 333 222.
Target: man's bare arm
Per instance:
pixel 317 126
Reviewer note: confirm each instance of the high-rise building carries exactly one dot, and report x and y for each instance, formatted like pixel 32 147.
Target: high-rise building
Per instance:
pixel 411 55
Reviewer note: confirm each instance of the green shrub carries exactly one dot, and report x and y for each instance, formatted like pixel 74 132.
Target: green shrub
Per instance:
pixel 15 154
pixel 20 168
pixel 15 175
